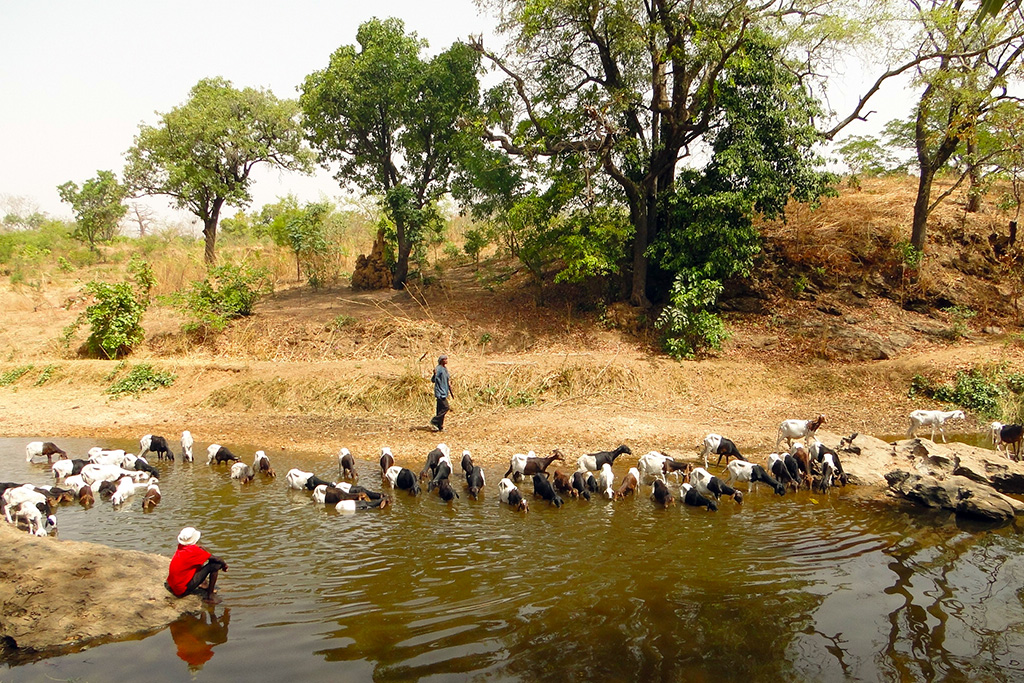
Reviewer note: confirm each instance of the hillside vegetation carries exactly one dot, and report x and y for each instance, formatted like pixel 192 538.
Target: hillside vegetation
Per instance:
pixel 834 319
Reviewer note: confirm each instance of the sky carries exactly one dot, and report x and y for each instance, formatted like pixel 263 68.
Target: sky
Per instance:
pixel 77 78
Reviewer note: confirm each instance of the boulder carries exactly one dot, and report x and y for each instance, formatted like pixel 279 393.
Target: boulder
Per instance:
pixel 959 494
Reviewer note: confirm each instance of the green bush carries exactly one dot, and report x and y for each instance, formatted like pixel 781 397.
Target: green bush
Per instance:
pixel 13 375
pixel 45 375
pixel 140 378
pixel 986 393
pixel 228 292
pixel 115 317
pixel 687 325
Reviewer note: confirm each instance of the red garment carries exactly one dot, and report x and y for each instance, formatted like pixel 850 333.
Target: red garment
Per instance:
pixel 187 559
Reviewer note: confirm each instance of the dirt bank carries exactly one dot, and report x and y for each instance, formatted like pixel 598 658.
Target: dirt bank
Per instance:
pixel 57 596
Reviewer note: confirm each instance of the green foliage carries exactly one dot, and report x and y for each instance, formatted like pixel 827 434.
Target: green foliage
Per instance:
pixel 908 254
pixel 115 316
pixel 342 321
pixel 867 156
pixel 984 391
pixel 228 292
pixel 959 315
pixel 202 153
pixel 14 374
pixel 63 265
pixel 687 325
pixel 389 119
pixel 476 241
pixel 45 375
pixel 140 378
pixel 98 206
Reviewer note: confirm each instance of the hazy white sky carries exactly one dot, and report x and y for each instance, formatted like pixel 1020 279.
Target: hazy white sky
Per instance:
pixel 77 78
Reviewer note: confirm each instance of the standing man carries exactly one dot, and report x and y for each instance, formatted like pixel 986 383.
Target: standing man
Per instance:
pixel 442 391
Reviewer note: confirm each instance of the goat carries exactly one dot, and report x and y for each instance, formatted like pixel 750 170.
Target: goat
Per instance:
pixel 152 497
pixel 820 451
pixel 218 455
pixel 67 468
pixel 662 495
pixel 562 483
pixel 387 460
pixel 671 466
pixel 142 465
pixel 332 495
pixel 347 465
pixel 93 473
pixel 720 446
pixel 591 483
pixel 467 463
pixel 781 470
pixel 542 489
pixel 47 448
pixel 261 463
pixel 629 484
pixel 443 471
pixel 15 495
pixel 106 488
pixel 156 444
pixel 933 419
pixel 354 505
pixel 798 429
pixel 242 472
pixel 605 479
pixel 595 461
pixel 828 472
pixel 125 489
pixel 579 485
pixel 749 472
pixel 434 457
pixel 709 485
pixel 475 481
pixel 299 480
pixel 186 446
pixel 1011 435
pixel 508 493
pixel 85 496
pixel 100 456
pixel 403 478
pixel 525 465
pixel 445 490
pixel 651 466
pixel 32 514
pixel 692 497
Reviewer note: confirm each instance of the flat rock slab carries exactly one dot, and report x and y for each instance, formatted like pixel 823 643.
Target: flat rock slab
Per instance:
pixel 56 595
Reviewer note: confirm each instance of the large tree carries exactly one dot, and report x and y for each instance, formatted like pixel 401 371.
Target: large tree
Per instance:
pixel 634 83
pixel 202 153
pixel 389 119
pixel 98 206
pixel 976 66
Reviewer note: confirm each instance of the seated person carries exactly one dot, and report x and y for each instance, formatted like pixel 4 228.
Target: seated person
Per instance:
pixel 191 566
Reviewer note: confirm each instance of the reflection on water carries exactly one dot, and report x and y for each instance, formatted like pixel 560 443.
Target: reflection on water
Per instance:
pixel 804 587
pixel 195 635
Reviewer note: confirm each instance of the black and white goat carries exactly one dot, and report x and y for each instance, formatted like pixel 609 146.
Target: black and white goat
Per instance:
pixel 404 479
pixel 218 455
pixel 740 470
pixel 593 462
pixel 39 448
pixel 719 445
pixel 692 497
pixel 304 481
pixel 709 485
pixel 510 494
pixel 156 444
pixel 346 465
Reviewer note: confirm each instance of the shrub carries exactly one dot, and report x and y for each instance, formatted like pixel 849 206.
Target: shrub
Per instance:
pixel 13 375
pixel 140 378
pixel 45 375
pixel 986 393
pixel 687 326
pixel 228 292
pixel 115 317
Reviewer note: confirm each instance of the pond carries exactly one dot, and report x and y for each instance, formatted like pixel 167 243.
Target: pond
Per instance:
pixel 802 587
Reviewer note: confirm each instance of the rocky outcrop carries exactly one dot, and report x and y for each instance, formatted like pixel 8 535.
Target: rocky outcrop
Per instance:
pixel 970 481
pixel 56 595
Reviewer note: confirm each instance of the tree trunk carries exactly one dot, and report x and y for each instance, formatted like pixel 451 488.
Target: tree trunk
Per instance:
pixel 402 265
pixel 641 227
pixel 974 186
pixel 919 232
pixel 210 232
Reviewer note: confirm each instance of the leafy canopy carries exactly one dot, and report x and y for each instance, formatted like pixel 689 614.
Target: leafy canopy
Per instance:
pixel 98 206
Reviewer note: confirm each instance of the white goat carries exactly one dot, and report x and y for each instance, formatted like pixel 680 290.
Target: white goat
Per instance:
pixel 242 472
pixel 186 446
pixel 125 490
pixel 93 473
pixel 26 493
pixel 33 517
pixel 392 473
pixel 100 456
pixel 933 419
pixel 994 431
pixel 605 479
pixel 651 466
pixel 798 429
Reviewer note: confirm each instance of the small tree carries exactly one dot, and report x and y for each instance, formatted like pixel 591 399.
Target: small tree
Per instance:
pixel 115 316
pixel 98 206
pixel 203 152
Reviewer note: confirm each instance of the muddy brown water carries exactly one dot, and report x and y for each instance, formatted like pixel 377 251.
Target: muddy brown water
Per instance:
pixel 802 587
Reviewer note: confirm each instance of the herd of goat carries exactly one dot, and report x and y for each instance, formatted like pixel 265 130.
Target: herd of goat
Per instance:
pixel 806 462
